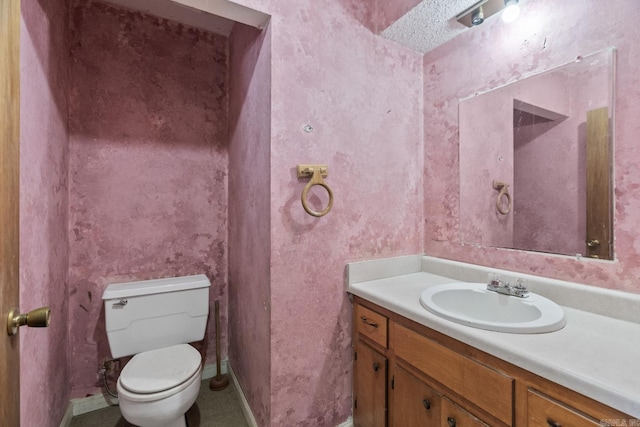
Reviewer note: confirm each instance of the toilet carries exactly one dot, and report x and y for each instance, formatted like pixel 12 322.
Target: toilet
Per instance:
pixel 154 320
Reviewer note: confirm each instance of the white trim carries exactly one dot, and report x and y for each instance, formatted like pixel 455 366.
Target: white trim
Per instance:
pixel 93 403
pixel 68 416
pixel 209 371
pixel 348 423
pixel 99 401
pixel 83 405
pixel 246 409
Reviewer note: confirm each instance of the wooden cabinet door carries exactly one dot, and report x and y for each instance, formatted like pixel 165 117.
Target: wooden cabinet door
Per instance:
pixel 455 416
pixel 369 388
pixel 414 404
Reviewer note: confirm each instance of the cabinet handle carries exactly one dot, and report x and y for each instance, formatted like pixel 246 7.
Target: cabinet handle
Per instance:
pixel 426 404
pixel 376 366
pixel 451 421
pixel 368 322
pixel 553 423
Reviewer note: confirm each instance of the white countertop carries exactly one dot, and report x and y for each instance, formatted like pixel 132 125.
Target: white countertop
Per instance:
pixel 595 355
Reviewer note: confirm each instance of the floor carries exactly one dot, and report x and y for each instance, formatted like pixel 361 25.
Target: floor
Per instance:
pixel 212 409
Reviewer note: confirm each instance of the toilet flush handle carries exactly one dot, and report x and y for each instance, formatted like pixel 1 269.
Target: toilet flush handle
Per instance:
pixel 121 303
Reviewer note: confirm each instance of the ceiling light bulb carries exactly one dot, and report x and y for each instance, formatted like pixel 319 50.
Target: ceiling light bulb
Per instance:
pixel 511 11
pixel 477 17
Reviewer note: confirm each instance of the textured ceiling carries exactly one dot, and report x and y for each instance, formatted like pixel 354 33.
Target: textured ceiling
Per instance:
pixel 429 24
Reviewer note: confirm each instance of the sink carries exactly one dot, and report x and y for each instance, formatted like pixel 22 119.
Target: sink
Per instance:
pixel 471 304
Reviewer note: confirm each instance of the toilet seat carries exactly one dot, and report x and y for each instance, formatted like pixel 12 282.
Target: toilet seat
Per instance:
pixel 156 374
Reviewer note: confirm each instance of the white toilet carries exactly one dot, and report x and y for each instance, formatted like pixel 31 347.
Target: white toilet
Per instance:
pixel 154 320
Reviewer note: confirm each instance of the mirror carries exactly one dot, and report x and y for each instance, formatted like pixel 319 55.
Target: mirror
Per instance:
pixel 536 162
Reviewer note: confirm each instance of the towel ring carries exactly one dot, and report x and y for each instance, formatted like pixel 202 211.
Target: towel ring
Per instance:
pixel 316 172
pixel 504 193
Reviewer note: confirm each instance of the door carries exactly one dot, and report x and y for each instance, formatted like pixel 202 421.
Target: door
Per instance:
pixel 9 199
pixel 414 403
pixel 598 184
pixel 370 385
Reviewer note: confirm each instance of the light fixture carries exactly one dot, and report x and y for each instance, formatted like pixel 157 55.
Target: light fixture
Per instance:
pixel 477 16
pixel 483 9
pixel 511 11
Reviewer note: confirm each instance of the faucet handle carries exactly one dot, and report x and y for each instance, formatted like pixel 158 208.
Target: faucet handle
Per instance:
pixel 494 282
pixel 520 288
pixel 521 285
pixel 494 278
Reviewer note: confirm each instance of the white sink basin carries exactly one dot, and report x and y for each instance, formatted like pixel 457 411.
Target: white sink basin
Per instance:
pixel 472 305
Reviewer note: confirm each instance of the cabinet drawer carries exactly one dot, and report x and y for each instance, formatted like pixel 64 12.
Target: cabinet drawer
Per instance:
pixel 372 325
pixel 488 389
pixel 542 411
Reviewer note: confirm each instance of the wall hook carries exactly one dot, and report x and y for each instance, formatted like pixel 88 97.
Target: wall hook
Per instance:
pixel 504 193
pixel 316 173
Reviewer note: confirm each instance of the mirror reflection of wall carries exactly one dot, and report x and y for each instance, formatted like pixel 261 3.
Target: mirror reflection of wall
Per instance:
pixel 534 135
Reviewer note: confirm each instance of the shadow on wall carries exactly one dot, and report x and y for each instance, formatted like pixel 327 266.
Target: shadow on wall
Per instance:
pixel 250 46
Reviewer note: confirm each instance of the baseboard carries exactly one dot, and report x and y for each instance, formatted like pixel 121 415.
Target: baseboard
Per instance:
pixel 93 403
pixel 209 371
pixel 246 409
pixel 68 416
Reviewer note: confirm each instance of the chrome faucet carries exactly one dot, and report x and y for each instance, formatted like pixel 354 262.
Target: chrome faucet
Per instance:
pixel 503 287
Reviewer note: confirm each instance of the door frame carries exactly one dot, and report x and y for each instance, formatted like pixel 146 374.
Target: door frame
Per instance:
pixel 9 207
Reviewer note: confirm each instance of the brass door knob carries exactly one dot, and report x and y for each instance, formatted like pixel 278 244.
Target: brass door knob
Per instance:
pixel 38 318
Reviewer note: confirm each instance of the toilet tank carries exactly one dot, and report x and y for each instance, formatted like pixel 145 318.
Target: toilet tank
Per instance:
pixel 152 314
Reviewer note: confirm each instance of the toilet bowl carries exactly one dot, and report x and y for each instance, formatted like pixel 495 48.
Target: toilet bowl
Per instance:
pixel 157 387
pixel 154 320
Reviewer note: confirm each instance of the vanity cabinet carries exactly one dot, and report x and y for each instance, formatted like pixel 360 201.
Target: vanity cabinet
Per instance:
pixel 426 378
pixel 370 368
pixel 463 376
pixel 415 403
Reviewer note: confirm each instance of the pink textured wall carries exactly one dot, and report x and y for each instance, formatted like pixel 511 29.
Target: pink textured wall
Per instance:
pixel 547 34
pixel 148 166
pixel 361 96
pixel 44 254
pixel 249 215
pixel 367 127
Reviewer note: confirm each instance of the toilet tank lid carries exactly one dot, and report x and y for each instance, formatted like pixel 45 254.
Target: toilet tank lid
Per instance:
pixel 156 286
